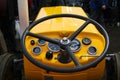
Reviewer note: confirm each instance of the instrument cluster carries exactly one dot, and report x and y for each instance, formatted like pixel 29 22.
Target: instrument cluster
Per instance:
pixel 75 46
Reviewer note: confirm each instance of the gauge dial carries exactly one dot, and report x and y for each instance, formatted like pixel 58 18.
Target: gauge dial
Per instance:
pixel 75 45
pixel 86 41
pixel 92 50
pixel 41 42
pixel 36 50
pixel 53 47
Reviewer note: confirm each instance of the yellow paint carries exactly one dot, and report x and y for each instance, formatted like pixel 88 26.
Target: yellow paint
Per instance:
pixel 59 28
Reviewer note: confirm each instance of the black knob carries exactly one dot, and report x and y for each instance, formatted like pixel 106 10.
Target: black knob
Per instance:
pixel 49 55
pixel 64 58
pixel 32 42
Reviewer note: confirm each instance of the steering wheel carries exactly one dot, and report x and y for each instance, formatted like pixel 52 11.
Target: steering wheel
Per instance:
pixel 64 44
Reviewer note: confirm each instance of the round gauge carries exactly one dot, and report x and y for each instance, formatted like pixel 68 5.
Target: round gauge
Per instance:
pixel 86 41
pixel 92 50
pixel 36 50
pixel 53 47
pixel 41 42
pixel 75 45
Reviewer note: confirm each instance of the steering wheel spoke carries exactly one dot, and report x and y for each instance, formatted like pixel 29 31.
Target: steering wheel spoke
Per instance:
pixel 43 38
pixel 71 54
pixel 79 30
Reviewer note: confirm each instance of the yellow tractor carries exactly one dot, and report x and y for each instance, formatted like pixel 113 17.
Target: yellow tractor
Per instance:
pixel 63 43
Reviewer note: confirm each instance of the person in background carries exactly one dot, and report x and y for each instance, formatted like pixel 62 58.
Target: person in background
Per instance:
pixel 8 13
pixel 107 13
pixel 118 4
pixel 86 4
pixel 96 10
pixel 3 47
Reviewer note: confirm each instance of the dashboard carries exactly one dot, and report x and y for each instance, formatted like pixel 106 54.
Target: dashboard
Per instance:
pixel 82 46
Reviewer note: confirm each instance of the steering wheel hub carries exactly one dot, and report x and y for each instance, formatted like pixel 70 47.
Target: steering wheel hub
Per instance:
pixel 65 41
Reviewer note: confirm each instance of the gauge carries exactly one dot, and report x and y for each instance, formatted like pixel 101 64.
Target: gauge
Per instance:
pixel 36 50
pixel 75 45
pixel 92 50
pixel 53 47
pixel 41 42
pixel 86 41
